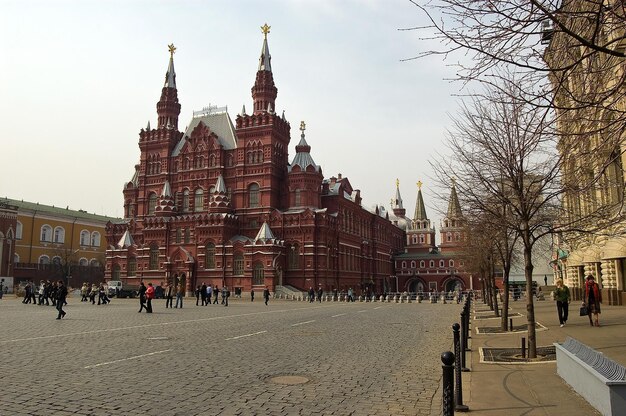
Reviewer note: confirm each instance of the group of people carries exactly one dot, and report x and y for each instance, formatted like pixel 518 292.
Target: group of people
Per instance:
pixel 313 294
pixel 591 301
pixel 204 293
pixel 54 293
pixel 89 293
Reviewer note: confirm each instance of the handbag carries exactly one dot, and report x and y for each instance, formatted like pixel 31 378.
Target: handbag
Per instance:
pixel 583 310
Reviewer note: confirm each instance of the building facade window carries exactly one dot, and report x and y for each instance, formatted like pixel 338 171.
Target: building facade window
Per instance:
pixel 198 202
pixel 18 231
pixel 186 200
pixel 94 263
pixel 115 275
pixel 253 194
pixel 95 239
pixel 432 263
pixel 238 264
pixel 258 275
pixel 46 233
pixel 132 266
pixel 451 263
pixel 298 198
pixel 442 263
pixel 179 235
pixel 83 262
pixel 44 259
pixel 187 235
pixel 209 256
pixel 84 238
pixel 422 264
pixel 154 258
pixel 293 257
pixel 152 200
pixel 56 260
pixel 59 235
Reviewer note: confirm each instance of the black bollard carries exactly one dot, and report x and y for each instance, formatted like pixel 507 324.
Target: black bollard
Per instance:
pixel 447 358
pixel 458 383
pixel 523 347
pixel 510 324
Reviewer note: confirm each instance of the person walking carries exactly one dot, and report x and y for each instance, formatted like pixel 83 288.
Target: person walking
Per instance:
pixel 209 293
pixel 266 295
pixel 251 295
pixel 169 296
pixel 149 297
pixel 593 299
pixel 216 293
pixel 225 296
pixel 179 296
pixel 61 295
pixel 142 297
pixel 311 295
pixel 203 294
pixel 561 295
pixel 320 292
pixel 197 294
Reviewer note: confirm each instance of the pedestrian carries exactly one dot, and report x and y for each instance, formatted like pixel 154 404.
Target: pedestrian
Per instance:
pixel 92 293
pixel 216 293
pixel 251 295
pixel 61 295
pixel 209 293
pixel 311 295
pixel 179 296
pixel 197 294
pixel 593 299
pixel 266 295
pixel 1 288
pixel 142 297
pixel 83 292
pixel 320 292
pixel 149 297
pixel 350 298
pixel 33 293
pixel 169 296
pixel 42 291
pixel 561 295
pixel 225 296
pixel 203 294
pixel 545 280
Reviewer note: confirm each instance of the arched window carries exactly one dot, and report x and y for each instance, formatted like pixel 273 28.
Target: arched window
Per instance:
pixel 442 263
pixel 298 199
pixel 258 276
pixel 432 263
pixel 179 235
pixel 186 200
pixel 198 202
pixel 115 275
pixel 44 259
pixel 56 260
pixel 209 256
pixel 83 262
pixel 422 239
pixel 253 192
pixel 413 264
pixel 16 258
pixel 154 258
pixel 448 236
pixel 94 263
pixel 18 231
pixel 212 160
pixel 238 264
pixel 152 200
pixel 187 235
pixel 132 266
pixel 46 233
pixel 95 239
pixel 404 264
pixel 59 235
pixel 84 238
pixel 293 257
pixel 451 263
pixel 422 264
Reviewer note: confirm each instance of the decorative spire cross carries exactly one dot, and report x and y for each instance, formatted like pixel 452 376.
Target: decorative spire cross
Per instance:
pixel 397 183
pixel 265 29
pixel 419 184
pixel 172 49
pixel 302 127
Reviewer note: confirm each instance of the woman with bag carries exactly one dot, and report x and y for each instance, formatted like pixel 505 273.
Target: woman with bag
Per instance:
pixel 593 299
pixel 561 295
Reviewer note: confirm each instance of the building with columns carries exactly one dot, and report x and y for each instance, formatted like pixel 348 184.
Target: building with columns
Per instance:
pixel 426 266
pixel 221 203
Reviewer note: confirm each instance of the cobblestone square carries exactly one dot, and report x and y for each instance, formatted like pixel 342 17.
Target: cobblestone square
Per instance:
pixel 288 358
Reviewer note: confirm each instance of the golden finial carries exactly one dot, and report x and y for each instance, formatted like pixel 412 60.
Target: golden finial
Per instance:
pixel 265 29
pixel 172 49
pixel 302 127
pixel 419 184
pixel 397 183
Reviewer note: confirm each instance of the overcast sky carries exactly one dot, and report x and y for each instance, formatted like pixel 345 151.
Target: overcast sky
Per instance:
pixel 81 78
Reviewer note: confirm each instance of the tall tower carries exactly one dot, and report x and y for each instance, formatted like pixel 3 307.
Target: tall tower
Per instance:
pixel 453 224
pixel 168 107
pixel 421 234
pixel 305 177
pixel 398 208
pixel 264 91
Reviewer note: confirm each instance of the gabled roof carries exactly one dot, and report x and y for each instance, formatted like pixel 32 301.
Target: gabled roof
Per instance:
pixel 219 123
pixel 265 233
pixel 126 240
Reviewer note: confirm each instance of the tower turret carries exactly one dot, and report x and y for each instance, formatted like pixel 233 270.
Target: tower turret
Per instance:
pixel 168 107
pixel 398 208
pixel 264 91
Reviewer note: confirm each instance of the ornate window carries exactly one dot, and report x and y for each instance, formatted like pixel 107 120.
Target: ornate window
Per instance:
pixel 186 200
pixel 132 267
pixel 44 259
pixel 187 235
pixel 94 263
pixel 154 258
pixel 451 263
pixel 18 231
pixel 83 262
pixel 179 235
pixel 152 200
pixel 198 201
pixel 209 256
pixel 59 235
pixel 442 263
pixel 413 264
pixel 422 264
pixel 56 260
pixel 432 263
pixel 115 275
pixel 258 276
pixel 253 192
pixel 238 264
pixel 46 233
pixel 298 199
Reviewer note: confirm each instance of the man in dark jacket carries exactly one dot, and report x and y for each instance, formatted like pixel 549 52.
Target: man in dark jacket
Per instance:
pixel 142 297
pixel 61 295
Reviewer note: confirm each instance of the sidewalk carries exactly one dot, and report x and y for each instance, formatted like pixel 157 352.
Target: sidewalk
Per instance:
pixel 536 389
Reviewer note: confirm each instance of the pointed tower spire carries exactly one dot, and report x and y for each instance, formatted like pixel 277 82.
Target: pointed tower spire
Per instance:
pixel 396 203
pixel 420 208
pixel 454 208
pixel 168 107
pixel 303 153
pixel 219 200
pixel 148 126
pixel 243 110
pixel 264 91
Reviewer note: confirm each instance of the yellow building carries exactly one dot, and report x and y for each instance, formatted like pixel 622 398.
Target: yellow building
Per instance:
pixel 53 242
pixel 589 97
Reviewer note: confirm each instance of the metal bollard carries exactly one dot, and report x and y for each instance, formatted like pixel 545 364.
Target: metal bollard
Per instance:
pixel 510 324
pixel 523 347
pixel 447 381
pixel 458 383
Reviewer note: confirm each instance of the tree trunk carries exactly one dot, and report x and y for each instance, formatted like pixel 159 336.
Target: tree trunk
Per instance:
pixel 505 302
pixel 492 277
pixel 530 307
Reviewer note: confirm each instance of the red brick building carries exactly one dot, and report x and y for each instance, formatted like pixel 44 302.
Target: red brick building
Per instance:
pixel 8 228
pixel 221 204
pixel 424 266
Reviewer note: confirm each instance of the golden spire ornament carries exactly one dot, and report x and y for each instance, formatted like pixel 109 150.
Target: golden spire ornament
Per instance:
pixel 419 184
pixel 302 127
pixel 397 183
pixel 172 49
pixel 265 29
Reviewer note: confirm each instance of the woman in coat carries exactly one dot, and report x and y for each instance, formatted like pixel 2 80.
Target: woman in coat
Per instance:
pixel 593 299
